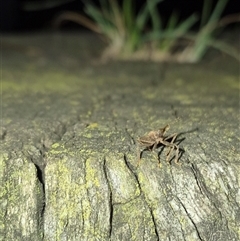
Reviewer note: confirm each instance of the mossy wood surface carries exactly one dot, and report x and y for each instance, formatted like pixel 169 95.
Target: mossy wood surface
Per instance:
pixel 68 163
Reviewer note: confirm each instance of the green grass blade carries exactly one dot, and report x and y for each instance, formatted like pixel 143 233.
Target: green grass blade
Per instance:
pixel 104 24
pixel 207 5
pixel 128 12
pixel 201 45
pixel 154 14
pixel 142 17
pixel 117 15
pixel 172 22
pixel 225 48
pixel 105 9
pixel 174 33
pixel 216 14
pixel 186 25
pixel 144 14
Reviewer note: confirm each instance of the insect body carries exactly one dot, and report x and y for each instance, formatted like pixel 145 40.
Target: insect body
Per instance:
pixel 154 139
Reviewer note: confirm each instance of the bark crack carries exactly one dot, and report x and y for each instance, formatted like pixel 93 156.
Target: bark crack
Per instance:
pixel 203 189
pixel 154 222
pixel 190 218
pixel 133 142
pixel 41 209
pixel 136 178
pixel 38 158
pixel 196 176
pixel 110 201
pixel 144 198
pixel 134 174
pixel 200 183
pixel 60 130
pixel 3 133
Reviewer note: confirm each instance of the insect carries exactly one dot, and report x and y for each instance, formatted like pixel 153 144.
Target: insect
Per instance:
pixel 154 139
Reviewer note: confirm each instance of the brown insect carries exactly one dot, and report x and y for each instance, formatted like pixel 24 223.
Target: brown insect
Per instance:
pixel 154 139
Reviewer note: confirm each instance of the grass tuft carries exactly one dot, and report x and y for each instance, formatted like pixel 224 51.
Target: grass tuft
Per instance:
pixel 132 34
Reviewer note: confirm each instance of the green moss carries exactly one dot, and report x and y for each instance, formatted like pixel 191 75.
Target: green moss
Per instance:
pixel 59 149
pixel 32 81
pixel 18 194
pixel 126 218
pixel 55 146
pixel 68 195
pixel 92 179
pixel 93 125
pixel 231 82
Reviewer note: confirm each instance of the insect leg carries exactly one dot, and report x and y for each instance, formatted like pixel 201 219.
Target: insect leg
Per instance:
pixel 171 145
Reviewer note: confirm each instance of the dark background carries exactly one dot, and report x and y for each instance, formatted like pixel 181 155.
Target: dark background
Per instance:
pixel 18 15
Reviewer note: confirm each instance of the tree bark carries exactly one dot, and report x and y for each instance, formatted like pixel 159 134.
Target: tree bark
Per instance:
pixel 68 164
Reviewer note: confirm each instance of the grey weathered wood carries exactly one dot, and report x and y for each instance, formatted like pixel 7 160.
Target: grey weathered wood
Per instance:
pixel 68 163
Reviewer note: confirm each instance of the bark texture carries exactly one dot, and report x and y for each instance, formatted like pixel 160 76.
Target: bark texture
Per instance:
pixel 68 163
